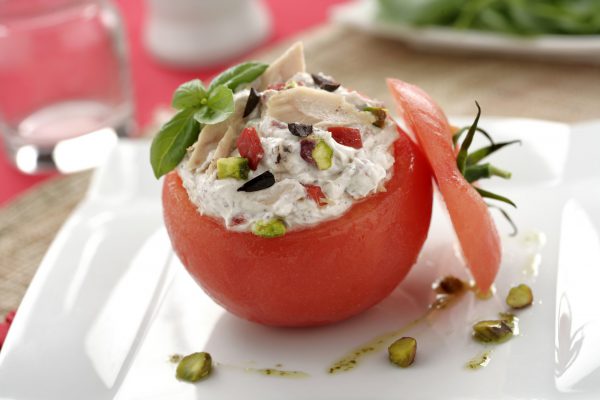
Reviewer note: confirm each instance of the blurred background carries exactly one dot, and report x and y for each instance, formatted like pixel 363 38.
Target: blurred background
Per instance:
pixel 76 75
pixel 69 68
pixel 143 49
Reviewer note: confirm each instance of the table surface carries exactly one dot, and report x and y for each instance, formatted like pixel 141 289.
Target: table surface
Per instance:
pixel 503 86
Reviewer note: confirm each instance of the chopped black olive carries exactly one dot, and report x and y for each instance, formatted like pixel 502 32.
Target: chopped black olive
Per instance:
pixel 252 102
pixel 324 83
pixel 262 181
pixel 300 130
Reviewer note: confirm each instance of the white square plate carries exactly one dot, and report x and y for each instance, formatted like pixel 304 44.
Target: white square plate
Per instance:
pixel 110 303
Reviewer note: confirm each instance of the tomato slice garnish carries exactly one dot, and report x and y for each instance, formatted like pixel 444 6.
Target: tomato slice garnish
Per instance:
pixel 470 217
pixel 346 136
pixel 249 146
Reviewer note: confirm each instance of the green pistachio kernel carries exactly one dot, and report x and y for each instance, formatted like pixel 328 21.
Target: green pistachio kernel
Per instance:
pixel 402 352
pixel 194 367
pixel 323 155
pixel 493 331
pixel 269 229
pixel 519 297
pixel 290 84
pixel 232 167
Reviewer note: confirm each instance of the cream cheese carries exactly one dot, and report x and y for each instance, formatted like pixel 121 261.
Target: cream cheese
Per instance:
pixel 354 175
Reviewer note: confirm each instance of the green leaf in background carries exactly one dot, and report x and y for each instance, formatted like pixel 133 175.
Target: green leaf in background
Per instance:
pixel 238 75
pixel 420 12
pixel 189 95
pixel 218 108
pixel 170 144
pixel 515 17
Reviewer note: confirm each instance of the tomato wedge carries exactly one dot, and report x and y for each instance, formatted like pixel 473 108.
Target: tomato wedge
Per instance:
pixel 470 217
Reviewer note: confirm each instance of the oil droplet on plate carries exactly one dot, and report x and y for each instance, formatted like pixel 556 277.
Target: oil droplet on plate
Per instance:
pixel 481 360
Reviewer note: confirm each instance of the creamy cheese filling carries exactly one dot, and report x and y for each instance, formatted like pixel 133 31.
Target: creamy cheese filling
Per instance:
pixel 354 174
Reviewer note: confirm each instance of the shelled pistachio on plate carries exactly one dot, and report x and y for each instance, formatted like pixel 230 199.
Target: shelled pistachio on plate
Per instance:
pixel 502 329
pixel 403 351
pixel 519 297
pixel 194 367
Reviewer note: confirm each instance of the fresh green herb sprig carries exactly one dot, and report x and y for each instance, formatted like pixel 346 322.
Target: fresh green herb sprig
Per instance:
pixel 470 167
pixel 198 106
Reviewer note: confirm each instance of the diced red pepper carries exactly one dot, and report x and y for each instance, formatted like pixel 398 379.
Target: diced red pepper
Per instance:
pixel 347 136
pixel 276 86
pixel 248 144
pixel 315 193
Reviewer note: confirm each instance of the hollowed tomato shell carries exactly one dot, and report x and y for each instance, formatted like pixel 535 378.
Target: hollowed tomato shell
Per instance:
pixel 313 276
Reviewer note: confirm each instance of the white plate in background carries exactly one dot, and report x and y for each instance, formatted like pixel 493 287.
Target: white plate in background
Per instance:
pixel 361 14
pixel 110 303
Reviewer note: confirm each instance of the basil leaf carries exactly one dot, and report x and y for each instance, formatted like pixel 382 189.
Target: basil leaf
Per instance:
pixel 170 144
pixel 218 108
pixel 189 95
pixel 238 75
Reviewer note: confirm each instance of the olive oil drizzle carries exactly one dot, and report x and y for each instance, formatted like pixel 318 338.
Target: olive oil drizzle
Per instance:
pixel 175 358
pixel 480 360
pixel 276 372
pixel 351 359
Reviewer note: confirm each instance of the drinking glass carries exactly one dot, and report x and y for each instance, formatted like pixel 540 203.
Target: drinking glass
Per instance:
pixel 65 90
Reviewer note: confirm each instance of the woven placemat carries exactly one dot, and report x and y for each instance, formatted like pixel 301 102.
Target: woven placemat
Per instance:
pixel 503 86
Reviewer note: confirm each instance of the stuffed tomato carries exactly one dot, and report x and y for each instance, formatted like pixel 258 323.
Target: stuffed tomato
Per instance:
pixel 305 206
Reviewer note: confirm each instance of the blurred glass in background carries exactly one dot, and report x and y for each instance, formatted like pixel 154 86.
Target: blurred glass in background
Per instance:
pixel 65 91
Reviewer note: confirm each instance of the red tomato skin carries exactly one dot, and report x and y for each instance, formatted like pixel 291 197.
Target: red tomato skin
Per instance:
pixel 347 136
pixel 313 276
pixel 249 146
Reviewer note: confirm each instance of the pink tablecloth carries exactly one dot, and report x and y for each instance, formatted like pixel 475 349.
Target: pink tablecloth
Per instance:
pixel 289 17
